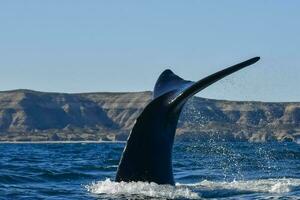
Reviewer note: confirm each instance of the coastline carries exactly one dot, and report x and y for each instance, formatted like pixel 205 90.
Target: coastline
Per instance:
pixel 60 142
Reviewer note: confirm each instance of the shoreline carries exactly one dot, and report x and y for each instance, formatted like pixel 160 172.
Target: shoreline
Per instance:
pixel 60 142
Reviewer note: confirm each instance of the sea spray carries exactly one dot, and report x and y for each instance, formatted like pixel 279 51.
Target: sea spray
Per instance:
pixel 145 189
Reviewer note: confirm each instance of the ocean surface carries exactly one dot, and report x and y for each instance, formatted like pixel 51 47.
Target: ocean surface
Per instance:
pixel 203 170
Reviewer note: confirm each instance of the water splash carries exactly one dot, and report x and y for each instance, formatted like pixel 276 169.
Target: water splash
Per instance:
pixel 228 159
pixel 140 189
pixel 203 189
pixel 282 185
pixel 265 159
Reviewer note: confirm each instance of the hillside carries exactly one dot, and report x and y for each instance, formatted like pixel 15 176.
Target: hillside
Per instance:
pixel 27 115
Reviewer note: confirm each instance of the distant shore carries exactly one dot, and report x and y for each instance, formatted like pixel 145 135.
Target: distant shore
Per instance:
pixel 58 142
pixel 28 116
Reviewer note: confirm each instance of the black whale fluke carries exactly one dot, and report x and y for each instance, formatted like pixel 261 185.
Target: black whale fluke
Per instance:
pixel 148 153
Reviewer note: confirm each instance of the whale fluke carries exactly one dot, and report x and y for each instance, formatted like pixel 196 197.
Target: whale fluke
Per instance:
pixel 148 153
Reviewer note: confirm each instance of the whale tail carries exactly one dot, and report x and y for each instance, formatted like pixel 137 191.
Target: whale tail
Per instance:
pixel 184 89
pixel 148 152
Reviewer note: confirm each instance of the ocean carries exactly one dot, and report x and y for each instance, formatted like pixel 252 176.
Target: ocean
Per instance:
pixel 202 170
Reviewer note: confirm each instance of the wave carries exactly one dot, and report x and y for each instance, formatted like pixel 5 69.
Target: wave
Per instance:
pixel 139 189
pixel 203 189
pixel 223 188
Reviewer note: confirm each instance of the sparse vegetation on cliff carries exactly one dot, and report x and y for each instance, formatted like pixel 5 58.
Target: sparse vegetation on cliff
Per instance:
pixel 27 115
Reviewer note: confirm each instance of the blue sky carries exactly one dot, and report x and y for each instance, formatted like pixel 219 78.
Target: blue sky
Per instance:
pixel 90 46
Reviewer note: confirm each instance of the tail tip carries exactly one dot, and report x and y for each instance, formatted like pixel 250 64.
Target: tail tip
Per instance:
pixel 257 58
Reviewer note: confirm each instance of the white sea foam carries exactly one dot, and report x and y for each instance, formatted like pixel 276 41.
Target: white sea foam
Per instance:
pixel 153 190
pixel 187 191
pixel 282 185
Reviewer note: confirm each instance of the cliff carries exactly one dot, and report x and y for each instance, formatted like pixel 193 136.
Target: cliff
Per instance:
pixel 27 115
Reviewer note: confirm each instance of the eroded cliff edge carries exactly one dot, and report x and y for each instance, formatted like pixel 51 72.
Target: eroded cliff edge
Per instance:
pixel 27 115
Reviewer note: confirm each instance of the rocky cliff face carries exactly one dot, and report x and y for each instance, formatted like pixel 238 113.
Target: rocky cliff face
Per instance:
pixel 31 115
